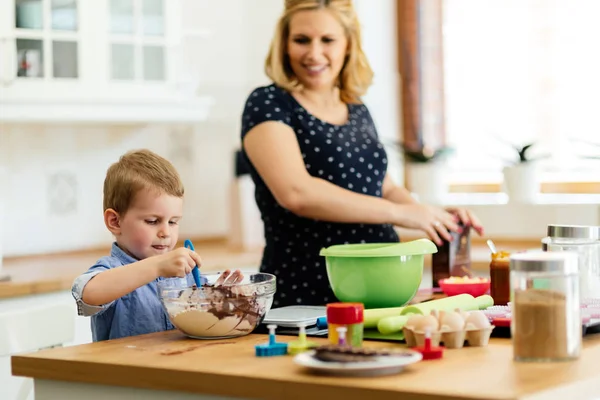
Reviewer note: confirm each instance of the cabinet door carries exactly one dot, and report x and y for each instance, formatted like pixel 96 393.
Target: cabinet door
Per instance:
pixel 94 61
pixel 140 39
pixel 8 66
pixel 42 39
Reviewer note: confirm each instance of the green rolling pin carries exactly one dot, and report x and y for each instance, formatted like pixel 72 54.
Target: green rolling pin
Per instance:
pixel 389 325
pixel 372 316
pixel 466 302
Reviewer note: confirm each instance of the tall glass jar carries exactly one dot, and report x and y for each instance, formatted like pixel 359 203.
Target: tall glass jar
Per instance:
pixel 546 308
pixel 585 241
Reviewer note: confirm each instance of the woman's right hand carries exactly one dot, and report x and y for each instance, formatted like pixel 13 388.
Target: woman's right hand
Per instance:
pixel 434 221
pixel 177 263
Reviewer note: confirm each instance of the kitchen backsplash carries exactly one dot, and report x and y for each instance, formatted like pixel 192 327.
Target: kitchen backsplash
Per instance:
pixel 53 188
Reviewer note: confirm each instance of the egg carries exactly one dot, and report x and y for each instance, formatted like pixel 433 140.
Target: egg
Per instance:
pixel 413 321
pixel 427 323
pixel 477 320
pixel 463 313
pixel 452 322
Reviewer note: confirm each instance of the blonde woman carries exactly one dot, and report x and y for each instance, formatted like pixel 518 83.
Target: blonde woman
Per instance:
pixel 315 156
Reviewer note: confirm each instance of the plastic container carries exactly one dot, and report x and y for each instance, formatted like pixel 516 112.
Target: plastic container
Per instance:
pixel 378 275
pixel 546 313
pixel 500 278
pixel 349 316
pixel 585 241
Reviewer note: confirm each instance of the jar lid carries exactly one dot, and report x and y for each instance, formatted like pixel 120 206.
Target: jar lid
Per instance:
pixel 540 261
pixel 574 231
pixel 345 313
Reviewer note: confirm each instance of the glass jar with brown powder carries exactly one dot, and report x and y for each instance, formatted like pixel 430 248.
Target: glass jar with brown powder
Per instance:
pixel 546 320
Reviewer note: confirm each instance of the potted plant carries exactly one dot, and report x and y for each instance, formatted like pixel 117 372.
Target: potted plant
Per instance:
pixel 521 176
pixel 426 171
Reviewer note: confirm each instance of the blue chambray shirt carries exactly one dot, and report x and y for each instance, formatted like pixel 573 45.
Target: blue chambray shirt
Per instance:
pixel 136 313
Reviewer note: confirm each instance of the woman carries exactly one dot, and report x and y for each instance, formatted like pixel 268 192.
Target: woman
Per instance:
pixel 315 157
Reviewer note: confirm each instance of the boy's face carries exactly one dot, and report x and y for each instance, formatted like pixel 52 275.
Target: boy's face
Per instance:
pixel 151 225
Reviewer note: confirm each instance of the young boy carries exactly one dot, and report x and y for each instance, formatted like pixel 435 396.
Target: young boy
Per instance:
pixel 143 204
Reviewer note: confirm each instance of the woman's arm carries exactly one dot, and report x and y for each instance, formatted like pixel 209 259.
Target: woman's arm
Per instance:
pixel 273 149
pixel 400 195
pixel 396 194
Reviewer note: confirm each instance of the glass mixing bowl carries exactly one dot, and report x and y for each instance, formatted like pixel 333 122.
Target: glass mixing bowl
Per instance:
pixel 219 312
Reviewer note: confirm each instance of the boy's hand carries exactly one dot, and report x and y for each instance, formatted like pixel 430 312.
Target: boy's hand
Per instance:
pixel 177 263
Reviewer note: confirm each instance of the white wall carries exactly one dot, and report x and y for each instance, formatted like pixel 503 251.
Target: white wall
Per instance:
pixel 54 192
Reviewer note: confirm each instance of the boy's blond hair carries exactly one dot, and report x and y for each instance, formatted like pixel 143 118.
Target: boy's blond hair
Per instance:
pixel 356 74
pixel 135 171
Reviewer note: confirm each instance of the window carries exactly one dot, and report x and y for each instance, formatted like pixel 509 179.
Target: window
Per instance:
pixel 519 72
pixel 47 39
pixel 80 60
pixel 137 40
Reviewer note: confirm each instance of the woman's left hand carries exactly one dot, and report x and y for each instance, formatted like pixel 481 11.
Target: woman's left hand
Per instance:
pixel 468 218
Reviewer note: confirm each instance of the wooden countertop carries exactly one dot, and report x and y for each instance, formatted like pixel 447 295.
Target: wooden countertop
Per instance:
pixel 170 361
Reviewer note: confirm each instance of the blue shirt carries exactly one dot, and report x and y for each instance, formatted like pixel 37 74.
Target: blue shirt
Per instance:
pixel 136 313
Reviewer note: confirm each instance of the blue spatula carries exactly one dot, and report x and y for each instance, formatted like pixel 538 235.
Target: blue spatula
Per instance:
pixel 195 271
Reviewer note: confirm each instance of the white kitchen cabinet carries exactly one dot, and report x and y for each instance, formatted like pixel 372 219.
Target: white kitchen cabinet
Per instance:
pixel 111 61
pixel 10 385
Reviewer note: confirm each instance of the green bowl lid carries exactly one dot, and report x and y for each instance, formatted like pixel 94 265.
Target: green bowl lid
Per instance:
pixel 414 247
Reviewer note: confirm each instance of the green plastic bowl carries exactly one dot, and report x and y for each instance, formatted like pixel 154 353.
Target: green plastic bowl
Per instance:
pixel 379 275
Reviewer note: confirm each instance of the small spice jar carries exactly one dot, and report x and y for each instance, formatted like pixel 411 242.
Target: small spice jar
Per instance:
pixel 546 313
pixel 585 241
pixel 349 316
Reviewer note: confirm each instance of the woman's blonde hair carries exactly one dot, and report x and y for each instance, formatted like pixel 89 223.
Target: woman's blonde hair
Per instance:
pixel 356 74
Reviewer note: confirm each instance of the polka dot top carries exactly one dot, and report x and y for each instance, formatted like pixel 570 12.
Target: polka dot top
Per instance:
pixel 349 156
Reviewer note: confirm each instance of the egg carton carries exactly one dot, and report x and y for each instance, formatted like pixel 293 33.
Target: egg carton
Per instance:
pixel 452 328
